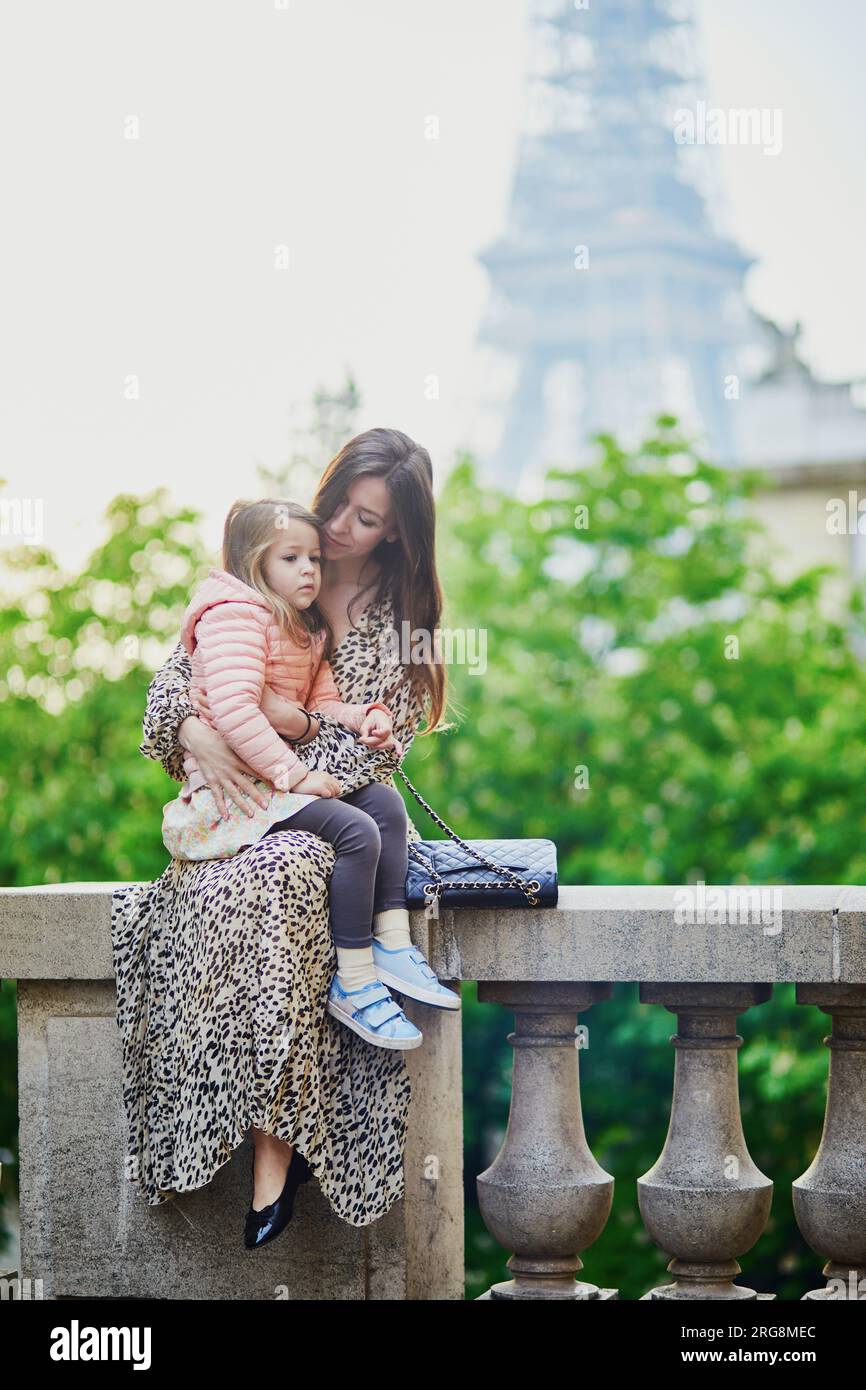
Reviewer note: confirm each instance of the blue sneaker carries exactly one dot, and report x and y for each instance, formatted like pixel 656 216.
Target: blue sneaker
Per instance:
pixel 373 1015
pixel 406 970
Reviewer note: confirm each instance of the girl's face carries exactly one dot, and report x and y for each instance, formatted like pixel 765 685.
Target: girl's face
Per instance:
pixel 360 520
pixel 292 565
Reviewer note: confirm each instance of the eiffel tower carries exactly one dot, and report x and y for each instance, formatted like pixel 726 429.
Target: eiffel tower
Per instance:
pixel 612 296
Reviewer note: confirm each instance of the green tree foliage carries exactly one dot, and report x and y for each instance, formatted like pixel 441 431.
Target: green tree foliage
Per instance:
pixel 717 712
pixel 78 801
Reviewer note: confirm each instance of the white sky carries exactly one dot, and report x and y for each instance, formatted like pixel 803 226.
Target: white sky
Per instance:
pixel 305 127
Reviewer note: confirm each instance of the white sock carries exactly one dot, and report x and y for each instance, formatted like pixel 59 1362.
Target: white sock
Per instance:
pixel 355 966
pixel 391 928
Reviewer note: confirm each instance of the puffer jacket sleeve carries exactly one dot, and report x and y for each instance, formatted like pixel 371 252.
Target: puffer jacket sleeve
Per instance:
pixel 232 642
pixel 325 696
pixel 168 705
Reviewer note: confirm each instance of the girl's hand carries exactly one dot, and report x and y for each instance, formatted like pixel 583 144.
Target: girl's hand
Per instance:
pixel 376 729
pixel 223 771
pixel 318 784
pixel 392 745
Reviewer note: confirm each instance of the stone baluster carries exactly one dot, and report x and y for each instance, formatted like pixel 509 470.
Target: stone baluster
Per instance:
pixel 830 1197
pixel 544 1196
pixel 704 1201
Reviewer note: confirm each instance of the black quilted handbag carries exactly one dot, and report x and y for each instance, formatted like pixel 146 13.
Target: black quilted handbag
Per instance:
pixel 437 869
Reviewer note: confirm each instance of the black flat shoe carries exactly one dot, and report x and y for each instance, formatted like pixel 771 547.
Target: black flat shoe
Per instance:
pixel 267 1224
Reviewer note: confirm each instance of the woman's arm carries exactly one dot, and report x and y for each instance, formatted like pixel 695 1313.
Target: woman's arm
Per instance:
pixel 168 706
pixel 172 727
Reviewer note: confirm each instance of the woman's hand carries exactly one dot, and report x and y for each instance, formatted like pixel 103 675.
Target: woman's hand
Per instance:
pixel 224 772
pixel 376 729
pixel 318 784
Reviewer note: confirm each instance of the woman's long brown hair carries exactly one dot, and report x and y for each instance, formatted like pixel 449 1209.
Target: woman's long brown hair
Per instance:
pixel 409 565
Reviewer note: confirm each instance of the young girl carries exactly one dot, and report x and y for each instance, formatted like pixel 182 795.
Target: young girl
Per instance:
pixel 256 623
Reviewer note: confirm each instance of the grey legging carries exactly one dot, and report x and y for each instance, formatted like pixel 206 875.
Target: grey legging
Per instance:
pixel 369 830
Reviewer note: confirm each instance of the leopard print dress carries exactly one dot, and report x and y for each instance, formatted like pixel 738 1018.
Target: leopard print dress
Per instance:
pixel 223 969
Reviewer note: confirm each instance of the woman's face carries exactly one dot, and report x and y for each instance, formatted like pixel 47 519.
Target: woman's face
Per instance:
pixel 361 519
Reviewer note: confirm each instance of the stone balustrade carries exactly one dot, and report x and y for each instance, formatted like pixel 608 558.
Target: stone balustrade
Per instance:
pixel 545 1198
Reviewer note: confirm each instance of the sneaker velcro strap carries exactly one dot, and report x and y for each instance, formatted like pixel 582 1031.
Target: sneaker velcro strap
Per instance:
pixel 423 966
pixel 394 1012
pixel 375 993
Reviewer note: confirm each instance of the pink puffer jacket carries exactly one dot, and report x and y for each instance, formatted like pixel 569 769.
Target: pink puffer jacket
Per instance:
pixel 237 649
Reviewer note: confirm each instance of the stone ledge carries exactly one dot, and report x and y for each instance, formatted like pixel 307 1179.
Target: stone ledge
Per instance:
pixel 617 933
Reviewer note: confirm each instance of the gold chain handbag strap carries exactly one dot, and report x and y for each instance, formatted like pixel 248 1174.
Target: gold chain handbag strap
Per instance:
pixel 435 889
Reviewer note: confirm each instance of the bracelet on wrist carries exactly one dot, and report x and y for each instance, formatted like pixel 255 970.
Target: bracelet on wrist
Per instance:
pixel 307 730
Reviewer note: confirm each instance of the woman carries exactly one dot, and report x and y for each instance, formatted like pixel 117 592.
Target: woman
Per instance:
pixel 223 966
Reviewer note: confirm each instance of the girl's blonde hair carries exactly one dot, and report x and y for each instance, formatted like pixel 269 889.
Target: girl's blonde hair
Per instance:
pixel 249 532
